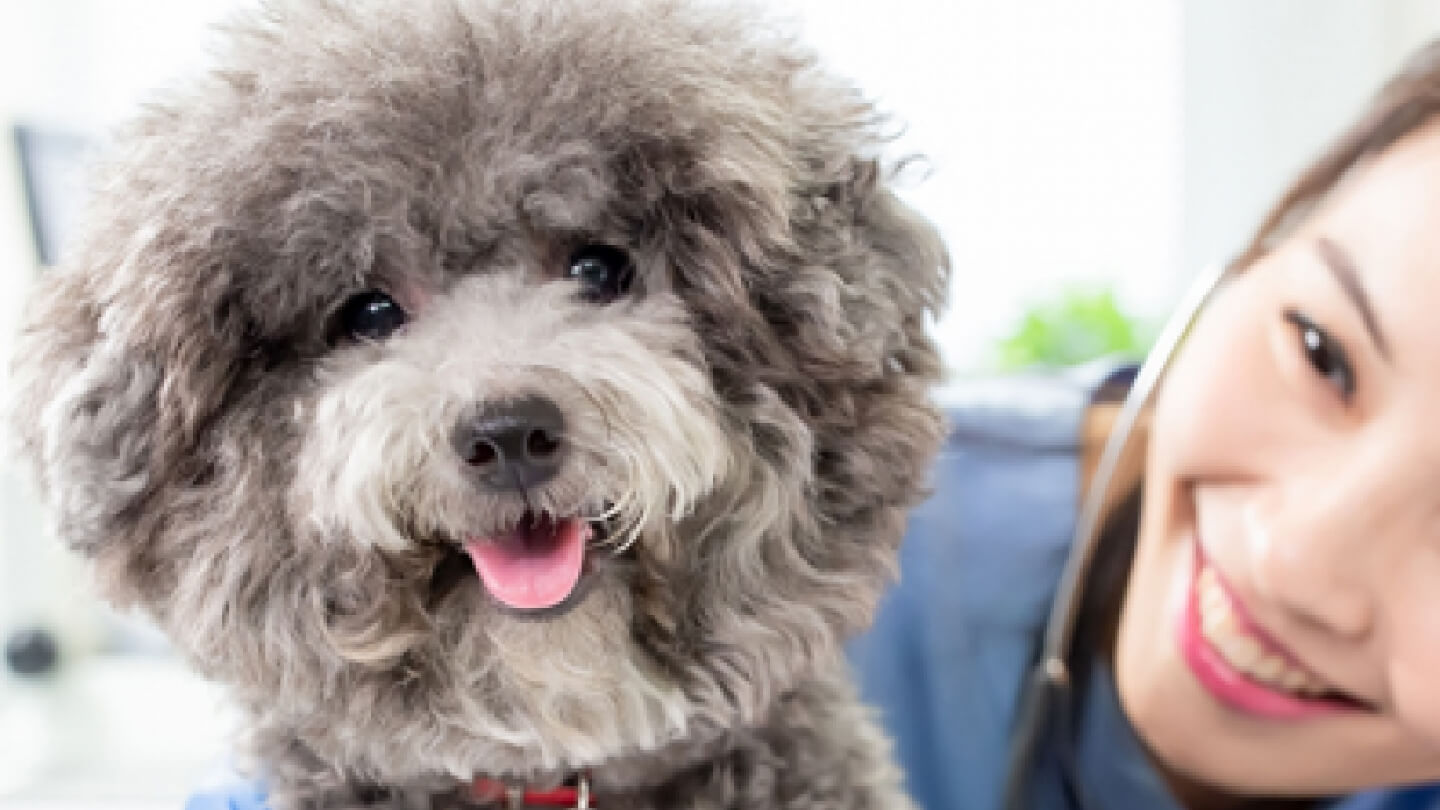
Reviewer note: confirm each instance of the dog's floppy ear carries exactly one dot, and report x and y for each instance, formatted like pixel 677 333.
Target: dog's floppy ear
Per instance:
pixel 908 258
pixel 84 409
pixel 862 342
pixel 875 271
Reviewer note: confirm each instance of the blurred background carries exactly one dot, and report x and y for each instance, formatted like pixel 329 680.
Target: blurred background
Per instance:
pixel 1084 160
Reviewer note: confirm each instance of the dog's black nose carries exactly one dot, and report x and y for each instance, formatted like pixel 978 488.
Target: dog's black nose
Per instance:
pixel 513 445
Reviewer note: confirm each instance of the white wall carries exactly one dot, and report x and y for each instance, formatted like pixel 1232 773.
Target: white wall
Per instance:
pixel 1054 130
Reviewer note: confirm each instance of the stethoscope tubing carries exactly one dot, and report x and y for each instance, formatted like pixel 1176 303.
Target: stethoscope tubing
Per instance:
pixel 1047 687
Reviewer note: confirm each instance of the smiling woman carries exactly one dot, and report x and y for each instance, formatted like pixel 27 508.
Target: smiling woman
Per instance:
pixel 1295 540
pixel 1260 625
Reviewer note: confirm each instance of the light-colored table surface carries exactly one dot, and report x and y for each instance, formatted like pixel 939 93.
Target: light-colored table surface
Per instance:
pixel 120 732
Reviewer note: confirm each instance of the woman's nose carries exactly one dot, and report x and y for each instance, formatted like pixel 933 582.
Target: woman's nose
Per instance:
pixel 1309 560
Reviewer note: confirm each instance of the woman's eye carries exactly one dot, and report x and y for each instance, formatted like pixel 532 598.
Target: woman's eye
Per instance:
pixel 603 272
pixel 371 315
pixel 1324 354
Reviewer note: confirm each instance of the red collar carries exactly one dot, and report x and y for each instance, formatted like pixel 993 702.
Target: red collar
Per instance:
pixel 494 791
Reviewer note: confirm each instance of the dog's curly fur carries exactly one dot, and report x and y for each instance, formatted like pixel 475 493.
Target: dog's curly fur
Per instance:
pixel 754 412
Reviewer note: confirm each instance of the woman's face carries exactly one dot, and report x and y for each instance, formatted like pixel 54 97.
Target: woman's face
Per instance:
pixel 1281 633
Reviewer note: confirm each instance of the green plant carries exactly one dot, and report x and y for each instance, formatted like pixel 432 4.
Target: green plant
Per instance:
pixel 1077 325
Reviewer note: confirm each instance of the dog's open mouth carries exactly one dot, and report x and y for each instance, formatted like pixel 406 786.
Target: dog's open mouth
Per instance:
pixel 535 565
pixel 538 567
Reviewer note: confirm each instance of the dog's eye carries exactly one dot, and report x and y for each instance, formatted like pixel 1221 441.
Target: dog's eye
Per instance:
pixel 370 315
pixel 604 272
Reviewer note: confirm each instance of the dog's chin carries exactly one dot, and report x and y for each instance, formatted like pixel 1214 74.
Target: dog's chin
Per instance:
pixel 538 569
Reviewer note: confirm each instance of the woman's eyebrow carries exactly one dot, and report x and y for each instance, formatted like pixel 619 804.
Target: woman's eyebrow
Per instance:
pixel 1343 268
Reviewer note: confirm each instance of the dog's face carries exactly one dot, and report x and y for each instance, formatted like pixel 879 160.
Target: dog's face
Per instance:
pixel 495 385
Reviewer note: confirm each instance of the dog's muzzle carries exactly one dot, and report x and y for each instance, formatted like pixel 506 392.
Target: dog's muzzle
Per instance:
pixel 515 447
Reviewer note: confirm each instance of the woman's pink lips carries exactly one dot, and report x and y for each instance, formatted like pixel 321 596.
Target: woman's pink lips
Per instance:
pixel 1229 685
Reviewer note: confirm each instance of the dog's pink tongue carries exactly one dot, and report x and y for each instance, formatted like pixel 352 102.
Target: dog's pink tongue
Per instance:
pixel 535 566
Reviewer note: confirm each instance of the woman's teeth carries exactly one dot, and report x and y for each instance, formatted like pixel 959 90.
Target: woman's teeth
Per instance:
pixel 1243 651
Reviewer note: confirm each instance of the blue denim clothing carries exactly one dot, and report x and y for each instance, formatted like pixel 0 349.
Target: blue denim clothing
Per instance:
pixel 954 640
pixel 237 796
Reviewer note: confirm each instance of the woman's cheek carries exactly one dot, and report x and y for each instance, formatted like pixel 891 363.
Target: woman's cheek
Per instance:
pixel 1219 402
pixel 1410 640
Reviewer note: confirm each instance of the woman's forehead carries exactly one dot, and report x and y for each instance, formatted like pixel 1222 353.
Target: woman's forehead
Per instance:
pixel 1385 219
pixel 1391 201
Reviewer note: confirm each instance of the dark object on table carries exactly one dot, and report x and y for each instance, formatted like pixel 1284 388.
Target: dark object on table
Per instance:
pixel 32 652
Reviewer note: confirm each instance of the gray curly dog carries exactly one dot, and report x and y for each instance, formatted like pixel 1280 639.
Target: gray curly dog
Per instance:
pixel 498 395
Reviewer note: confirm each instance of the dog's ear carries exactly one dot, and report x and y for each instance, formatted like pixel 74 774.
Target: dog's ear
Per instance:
pixel 872 272
pixel 820 285
pixel 83 409
pixel 88 407
pixel 904 261
pixel 876 272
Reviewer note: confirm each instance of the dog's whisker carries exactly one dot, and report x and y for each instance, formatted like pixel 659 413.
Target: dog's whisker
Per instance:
pixel 604 415
pixel 610 512
pixel 631 539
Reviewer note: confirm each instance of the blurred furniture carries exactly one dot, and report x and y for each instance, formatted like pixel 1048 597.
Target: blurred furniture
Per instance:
pixel 52 172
